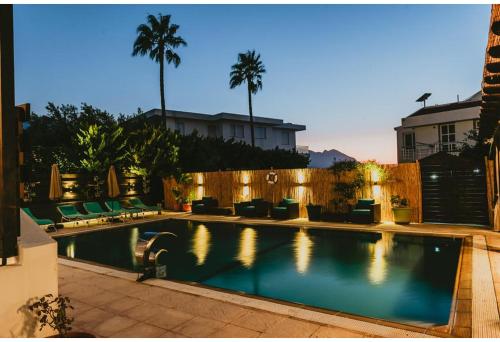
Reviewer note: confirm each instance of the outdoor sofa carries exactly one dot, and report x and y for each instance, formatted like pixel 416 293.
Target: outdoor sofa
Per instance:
pixel 209 205
pixel 287 209
pixel 257 207
pixel 366 211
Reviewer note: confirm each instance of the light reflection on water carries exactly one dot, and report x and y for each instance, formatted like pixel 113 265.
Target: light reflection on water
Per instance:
pixel 247 247
pixel 303 246
pixel 201 244
pixel 71 248
pixel 380 251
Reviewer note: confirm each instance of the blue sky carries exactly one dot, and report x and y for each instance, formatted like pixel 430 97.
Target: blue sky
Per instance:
pixel 349 73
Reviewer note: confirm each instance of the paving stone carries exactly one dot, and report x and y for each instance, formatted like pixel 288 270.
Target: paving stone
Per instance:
pixel 326 331
pixel 169 318
pixel 102 298
pixel 114 325
pixel 258 320
pixel 140 330
pixel 464 305
pixel 124 304
pixel 93 317
pixel 233 331
pixel 199 327
pixel 290 328
pixel 171 334
pixel 79 307
pixel 144 311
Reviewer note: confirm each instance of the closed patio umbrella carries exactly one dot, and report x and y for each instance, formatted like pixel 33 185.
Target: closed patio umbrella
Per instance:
pixel 55 190
pixel 113 188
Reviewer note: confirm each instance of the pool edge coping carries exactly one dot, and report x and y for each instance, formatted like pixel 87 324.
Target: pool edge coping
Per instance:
pixel 346 321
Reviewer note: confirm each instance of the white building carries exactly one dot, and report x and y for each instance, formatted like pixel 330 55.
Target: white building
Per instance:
pixel 437 128
pixel 269 133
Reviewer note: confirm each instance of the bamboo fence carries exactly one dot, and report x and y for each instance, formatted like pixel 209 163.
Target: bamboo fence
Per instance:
pixel 307 186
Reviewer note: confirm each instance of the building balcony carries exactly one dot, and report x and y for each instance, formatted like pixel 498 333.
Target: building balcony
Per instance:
pixel 410 155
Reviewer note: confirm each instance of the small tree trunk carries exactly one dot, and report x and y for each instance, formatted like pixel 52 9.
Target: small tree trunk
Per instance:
pixel 162 94
pixel 252 135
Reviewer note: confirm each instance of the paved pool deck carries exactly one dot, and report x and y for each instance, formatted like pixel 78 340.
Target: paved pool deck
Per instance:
pixel 110 302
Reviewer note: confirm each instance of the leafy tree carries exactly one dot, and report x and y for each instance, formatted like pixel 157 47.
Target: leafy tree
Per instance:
pixel 101 149
pixel 158 39
pixel 249 70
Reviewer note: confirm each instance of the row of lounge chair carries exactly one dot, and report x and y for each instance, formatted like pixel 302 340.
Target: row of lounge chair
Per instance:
pixel 94 210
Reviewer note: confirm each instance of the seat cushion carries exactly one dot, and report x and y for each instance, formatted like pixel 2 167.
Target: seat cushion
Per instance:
pixel 365 203
pixel 280 209
pixel 249 207
pixel 361 212
pixel 199 205
pixel 288 201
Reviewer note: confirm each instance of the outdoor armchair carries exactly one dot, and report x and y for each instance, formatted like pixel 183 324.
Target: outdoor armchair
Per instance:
pixel 366 211
pixel 204 205
pixel 287 209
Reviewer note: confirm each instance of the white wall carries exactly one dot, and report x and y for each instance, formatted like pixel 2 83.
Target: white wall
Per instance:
pixel 35 275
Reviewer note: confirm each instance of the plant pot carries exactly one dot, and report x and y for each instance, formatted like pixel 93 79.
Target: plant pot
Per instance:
pixel 186 207
pixel 314 212
pixel 73 334
pixel 402 215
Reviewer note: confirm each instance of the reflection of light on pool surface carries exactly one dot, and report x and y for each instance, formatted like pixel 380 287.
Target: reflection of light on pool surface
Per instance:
pixel 70 249
pixel 201 244
pixel 246 253
pixel 377 270
pixel 303 249
pixel 134 236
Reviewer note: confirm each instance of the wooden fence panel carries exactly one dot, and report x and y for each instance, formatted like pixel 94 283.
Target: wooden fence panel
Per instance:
pixel 305 185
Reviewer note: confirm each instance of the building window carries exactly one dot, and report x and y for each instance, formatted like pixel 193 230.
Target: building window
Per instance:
pixel 260 133
pixel 237 131
pixel 448 140
pixel 212 131
pixel 409 140
pixel 475 124
pixel 285 138
pixel 179 127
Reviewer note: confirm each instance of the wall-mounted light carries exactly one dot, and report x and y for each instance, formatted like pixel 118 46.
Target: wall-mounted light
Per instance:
pixel 375 175
pixel 434 176
pixel 300 177
pixel 246 179
pixel 199 179
pixel 476 170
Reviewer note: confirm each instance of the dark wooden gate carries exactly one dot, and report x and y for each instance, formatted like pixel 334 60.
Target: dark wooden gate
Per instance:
pixel 453 190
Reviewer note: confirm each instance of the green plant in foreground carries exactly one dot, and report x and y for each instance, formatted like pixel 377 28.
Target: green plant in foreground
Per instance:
pixel 53 312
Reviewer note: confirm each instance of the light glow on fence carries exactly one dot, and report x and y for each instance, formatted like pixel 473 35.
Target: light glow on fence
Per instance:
pixel 300 177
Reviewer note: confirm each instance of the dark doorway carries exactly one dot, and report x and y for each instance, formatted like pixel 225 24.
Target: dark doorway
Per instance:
pixel 453 190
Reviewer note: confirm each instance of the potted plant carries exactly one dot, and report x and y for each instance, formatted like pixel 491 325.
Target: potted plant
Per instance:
pixel 178 198
pixel 53 312
pixel 186 201
pixel 314 211
pixel 400 210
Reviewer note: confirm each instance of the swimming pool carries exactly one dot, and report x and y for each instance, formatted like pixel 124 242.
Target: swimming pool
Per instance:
pixel 402 278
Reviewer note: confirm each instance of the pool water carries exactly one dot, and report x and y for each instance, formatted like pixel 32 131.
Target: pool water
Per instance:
pixel 403 278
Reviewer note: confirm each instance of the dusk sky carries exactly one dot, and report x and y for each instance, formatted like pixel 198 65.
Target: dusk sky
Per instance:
pixel 349 73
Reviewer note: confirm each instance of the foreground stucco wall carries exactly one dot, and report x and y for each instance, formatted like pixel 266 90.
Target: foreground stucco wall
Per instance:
pixel 33 276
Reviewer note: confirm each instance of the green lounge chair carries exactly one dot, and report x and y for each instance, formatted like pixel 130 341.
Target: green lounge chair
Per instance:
pixel 95 208
pixel 40 222
pixel 137 203
pixel 115 206
pixel 70 213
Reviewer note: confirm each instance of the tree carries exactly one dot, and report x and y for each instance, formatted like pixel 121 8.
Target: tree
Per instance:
pixel 158 40
pixel 249 70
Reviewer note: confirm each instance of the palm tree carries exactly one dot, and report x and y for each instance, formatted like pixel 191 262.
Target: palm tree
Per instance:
pixel 249 69
pixel 158 40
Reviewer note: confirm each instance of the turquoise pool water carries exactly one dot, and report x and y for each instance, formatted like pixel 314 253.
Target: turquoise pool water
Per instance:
pixel 403 278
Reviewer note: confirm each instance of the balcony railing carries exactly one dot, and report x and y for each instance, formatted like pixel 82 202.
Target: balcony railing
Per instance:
pixel 421 151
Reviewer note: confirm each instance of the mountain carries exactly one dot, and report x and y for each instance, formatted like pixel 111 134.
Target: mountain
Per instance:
pixel 326 158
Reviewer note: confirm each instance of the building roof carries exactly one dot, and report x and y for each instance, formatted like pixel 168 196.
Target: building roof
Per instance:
pixel 473 101
pixel 278 123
